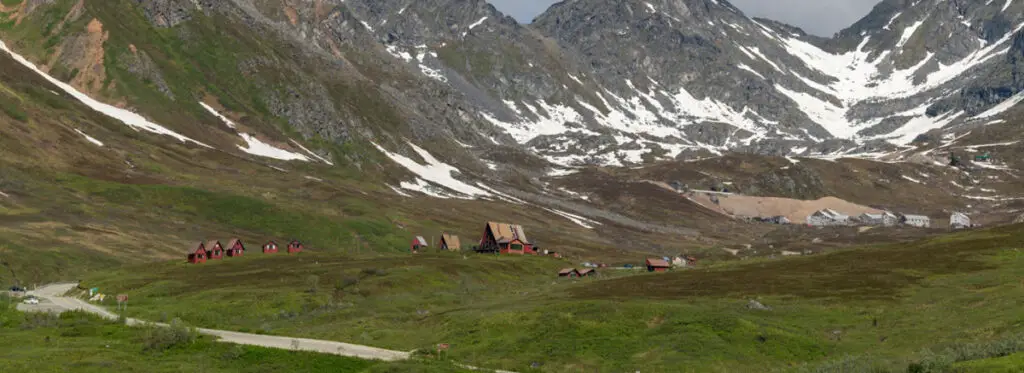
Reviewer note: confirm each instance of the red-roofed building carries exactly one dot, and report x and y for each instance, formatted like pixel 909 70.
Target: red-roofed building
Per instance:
pixel 214 250
pixel 270 247
pixel 657 265
pixel 295 247
pixel 235 248
pixel 198 254
pixel 505 238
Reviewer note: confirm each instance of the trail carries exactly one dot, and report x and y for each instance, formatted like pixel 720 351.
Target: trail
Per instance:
pixel 53 295
pixel 53 299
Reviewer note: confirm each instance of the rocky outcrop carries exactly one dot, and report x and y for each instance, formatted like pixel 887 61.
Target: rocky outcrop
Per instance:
pixel 168 13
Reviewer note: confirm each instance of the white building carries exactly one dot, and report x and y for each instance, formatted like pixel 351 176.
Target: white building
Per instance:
pixel 827 217
pixel 885 218
pixel 959 220
pixel 919 221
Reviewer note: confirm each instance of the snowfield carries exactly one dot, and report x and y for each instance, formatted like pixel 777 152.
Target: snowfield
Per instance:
pixel 433 171
pixel 133 120
pixel 256 147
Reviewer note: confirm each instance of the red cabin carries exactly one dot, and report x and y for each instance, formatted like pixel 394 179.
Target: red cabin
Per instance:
pixel 270 247
pixel 505 239
pixel 588 272
pixel 418 243
pixel 569 272
pixel 657 265
pixel 295 247
pixel 197 255
pixel 235 248
pixel 214 250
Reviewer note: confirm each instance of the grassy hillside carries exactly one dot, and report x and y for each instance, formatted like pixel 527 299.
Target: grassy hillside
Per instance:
pixel 82 343
pixel 888 306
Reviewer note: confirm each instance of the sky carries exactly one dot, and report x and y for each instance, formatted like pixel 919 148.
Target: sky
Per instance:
pixel 819 17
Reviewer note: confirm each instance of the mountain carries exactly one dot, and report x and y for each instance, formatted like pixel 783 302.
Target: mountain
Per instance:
pixel 437 96
pixel 627 82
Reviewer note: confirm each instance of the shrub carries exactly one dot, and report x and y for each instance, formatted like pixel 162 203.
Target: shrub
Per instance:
pixel 164 338
pixel 314 283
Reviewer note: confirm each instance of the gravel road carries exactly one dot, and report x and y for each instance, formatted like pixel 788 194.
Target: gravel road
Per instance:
pixel 53 300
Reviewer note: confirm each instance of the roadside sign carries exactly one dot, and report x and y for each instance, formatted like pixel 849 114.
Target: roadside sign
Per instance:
pixel 122 297
pixel 442 346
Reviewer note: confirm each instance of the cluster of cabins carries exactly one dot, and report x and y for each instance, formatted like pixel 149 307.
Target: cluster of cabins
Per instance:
pixel 830 217
pixel 213 250
pixel 497 238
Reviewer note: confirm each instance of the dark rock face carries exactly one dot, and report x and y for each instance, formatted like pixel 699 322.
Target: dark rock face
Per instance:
pixel 168 13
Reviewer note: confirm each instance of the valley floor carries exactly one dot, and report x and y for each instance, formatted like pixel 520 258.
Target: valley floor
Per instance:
pixel 888 306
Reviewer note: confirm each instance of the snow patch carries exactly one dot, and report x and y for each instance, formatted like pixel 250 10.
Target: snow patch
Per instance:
pixel 398 191
pixel 911 179
pixel 213 111
pixel 89 138
pixel 259 148
pixel 433 171
pixel 579 220
pixel 1007 104
pixel 322 159
pixel 256 147
pixel 133 120
pixel 477 23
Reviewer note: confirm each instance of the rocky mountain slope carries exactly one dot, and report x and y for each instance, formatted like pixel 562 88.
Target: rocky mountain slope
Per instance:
pixel 589 82
pixel 453 85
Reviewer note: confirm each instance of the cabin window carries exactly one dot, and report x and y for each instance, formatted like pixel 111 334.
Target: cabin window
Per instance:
pixel 516 247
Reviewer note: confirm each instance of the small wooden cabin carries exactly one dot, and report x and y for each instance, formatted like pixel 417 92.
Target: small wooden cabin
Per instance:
pixel 270 247
pixel 295 247
pixel 449 242
pixel 235 247
pixel 568 272
pixel 198 254
pixel 588 272
pixel 418 243
pixel 657 265
pixel 505 238
pixel 214 250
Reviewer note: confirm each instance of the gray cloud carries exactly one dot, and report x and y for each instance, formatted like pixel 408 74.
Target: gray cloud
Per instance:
pixel 821 17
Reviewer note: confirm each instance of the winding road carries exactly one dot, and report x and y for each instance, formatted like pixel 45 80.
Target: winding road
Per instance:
pixel 52 299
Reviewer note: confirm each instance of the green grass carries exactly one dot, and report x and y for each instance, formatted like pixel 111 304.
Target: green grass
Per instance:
pixel 384 300
pixel 850 307
pixel 243 212
pixel 1007 364
pixel 83 343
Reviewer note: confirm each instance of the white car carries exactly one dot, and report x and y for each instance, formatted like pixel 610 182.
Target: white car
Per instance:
pixel 31 301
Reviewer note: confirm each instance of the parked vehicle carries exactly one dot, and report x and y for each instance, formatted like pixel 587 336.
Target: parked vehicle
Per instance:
pixel 31 300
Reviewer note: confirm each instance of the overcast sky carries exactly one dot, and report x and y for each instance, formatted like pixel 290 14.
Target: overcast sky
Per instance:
pixel 821 17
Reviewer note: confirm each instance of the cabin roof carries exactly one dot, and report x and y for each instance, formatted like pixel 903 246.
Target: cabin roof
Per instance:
pixel 451 240
pixel 504 232
pixel 654 262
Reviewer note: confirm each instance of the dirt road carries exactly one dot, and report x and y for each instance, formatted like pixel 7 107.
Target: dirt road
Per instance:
pixel 53 299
